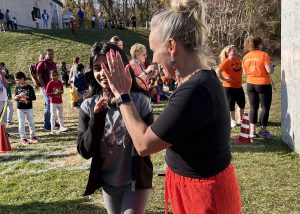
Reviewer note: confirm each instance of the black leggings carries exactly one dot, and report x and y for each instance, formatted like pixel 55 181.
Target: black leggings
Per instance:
pixel 259 94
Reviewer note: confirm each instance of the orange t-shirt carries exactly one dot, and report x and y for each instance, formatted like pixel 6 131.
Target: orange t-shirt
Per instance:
pixel 232 68
pixel 254 67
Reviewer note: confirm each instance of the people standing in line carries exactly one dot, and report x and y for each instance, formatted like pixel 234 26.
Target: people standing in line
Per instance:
pixel 73 70
pixel 230 72
pixel 125 177
pixel 117 41
pixel 54 90
pixel 100 20
pixel 133 22
pixel 45 17
pixel 10 106
pixel 2 28
pixel 8 20
pixel 79 82
pixel 24 95
pixel 15 23
pixel 3 95
pixel 43 73
pixel 80 15
pixel 258 68
pixel 93 21
pixel 138 53
pixel 194 127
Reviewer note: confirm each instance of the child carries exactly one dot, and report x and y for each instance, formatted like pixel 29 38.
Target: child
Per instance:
pixel 15 23
pixel 79 82
pixel 72 24
pixel 73 96
pixel 54 90
pixel 10 106
pixel 64 74
pixel 24 95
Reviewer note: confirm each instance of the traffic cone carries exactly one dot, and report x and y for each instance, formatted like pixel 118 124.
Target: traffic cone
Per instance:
pixel 244 136
pixel 4 142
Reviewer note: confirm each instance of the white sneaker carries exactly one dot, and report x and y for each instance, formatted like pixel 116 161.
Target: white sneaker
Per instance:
pixel 233 124
pixel 63 129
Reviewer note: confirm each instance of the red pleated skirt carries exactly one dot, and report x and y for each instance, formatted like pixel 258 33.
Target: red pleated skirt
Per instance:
pixel 218 194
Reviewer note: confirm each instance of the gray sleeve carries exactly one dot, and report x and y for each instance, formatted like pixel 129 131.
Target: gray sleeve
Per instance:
pixel 145 106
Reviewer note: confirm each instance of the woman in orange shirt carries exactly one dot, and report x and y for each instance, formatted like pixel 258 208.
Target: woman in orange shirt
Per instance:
pixel 230 72
pixel 257 67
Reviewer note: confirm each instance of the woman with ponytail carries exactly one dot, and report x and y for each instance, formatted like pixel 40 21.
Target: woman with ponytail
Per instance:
pixel 258 68
pixel 230 72
pixel 194 127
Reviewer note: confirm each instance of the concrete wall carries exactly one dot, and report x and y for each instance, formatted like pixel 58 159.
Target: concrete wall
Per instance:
pixel 21 9
pixel 290 74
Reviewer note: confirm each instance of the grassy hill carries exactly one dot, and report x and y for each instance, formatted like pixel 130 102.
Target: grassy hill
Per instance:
pixel 20 49
pixel 50 177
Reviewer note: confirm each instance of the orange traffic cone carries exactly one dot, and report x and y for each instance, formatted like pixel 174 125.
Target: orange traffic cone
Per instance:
pixel 4 142
pixel 244 136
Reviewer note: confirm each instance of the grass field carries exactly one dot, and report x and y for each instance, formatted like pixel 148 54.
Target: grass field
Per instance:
pixel 50 177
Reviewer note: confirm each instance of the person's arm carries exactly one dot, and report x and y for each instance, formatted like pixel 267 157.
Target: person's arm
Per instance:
pixel 49 90
pixel 220 75
pixel 269 68
pixel 4 80
pixel 90 130
pixel 40 69
pixel 146 142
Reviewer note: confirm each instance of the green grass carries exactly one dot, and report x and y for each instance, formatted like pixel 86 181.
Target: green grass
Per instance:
pixel 50 177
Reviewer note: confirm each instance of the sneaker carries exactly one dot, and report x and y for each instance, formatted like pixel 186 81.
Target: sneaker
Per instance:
pixel 233 124
pixel 266 134
pixel 24 141
pixel 63 129
pixel 34 140
pixel 54 131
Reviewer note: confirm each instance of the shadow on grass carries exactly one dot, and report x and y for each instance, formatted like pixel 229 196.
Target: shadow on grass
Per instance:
pixel 34 157
pixel 71 206
pixel 261 145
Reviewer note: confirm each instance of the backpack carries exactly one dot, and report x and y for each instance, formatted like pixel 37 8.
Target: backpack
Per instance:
pixel 33 74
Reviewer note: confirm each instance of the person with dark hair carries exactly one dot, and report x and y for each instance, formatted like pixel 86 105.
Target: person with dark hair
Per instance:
pixel 125 177
pixel 133 22
pixel 43 73
pixel 2 28
pixel 9 21
pixel 45 17
pixel 194 126
pixel 54 90
pixel 79 82
pixel 24 95
pixel 73 70
pixel 258 68
pixel 117 41
pixel 80 15
pixel 64 74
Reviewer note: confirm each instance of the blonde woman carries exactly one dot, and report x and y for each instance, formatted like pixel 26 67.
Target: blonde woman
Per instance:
pixel 194 127
pixel 230 72
pixel 73 70
pixel 117 41
pixel 138 53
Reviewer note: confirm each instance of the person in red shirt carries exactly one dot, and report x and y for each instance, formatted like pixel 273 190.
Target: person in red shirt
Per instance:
pixel 72 24
pixel 54 90
pixel 230 72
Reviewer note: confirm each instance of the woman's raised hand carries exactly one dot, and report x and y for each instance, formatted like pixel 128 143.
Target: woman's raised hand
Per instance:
pixel 118 76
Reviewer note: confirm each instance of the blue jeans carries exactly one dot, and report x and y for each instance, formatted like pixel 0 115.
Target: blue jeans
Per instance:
pixel 47 124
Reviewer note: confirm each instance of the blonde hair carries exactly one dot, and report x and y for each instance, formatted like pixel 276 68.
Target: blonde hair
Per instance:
pixel 252 43
pixel 184 20
pixel 137 49
pixel 224 53
pixel 114 40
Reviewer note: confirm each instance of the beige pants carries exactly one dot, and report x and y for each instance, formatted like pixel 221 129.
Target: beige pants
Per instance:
pixel 2 25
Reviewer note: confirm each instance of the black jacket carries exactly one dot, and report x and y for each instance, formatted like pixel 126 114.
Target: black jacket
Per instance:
pixel 88 147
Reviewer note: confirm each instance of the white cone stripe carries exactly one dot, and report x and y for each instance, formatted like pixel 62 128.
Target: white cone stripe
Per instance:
pixel 244 135
pixel 245 126
pixel 246 117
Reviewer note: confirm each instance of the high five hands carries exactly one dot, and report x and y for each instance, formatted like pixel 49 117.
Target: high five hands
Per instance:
pixel 118 76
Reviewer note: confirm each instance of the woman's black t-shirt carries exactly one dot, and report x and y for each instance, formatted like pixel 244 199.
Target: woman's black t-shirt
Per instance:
pixel 196 122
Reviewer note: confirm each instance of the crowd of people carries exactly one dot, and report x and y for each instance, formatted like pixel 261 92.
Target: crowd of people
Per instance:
pixel 113 96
